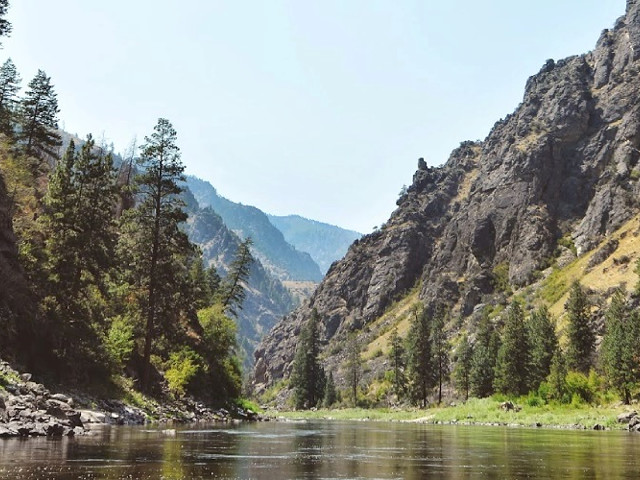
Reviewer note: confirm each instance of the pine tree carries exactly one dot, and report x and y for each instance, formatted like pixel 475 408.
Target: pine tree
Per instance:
pixel 543 342
pixel 483 361
pixel 307 377
pixel 397 359
pixel 9 87
pixel 440 348
pixel 580 332
pixel 620 349
pixel 353 367
pixel 557 376
pixel 152 243
pixel 462 370
pixel 512 367
pixel 80 243
pixel 5 26
pixel 420 360
pixel 330 392
pixel 233 288
pixel 39 119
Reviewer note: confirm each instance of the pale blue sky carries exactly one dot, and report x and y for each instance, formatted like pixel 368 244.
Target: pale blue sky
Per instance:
pixel 319 108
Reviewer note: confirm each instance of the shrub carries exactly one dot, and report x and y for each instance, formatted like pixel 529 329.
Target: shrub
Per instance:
pixel 183 366
pixel 120 342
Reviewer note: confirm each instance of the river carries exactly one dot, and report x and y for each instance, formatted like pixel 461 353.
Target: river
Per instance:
pixel 324 450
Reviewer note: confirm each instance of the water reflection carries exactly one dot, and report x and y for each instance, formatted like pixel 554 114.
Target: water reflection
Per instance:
pixel 324 450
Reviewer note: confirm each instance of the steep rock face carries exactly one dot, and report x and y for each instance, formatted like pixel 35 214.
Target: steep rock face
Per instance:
pixel 564 163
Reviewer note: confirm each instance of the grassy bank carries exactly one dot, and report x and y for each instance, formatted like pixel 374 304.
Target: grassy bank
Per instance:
pixel 485 411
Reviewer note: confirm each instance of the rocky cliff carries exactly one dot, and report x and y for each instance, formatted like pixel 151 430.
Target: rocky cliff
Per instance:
pixel 563 165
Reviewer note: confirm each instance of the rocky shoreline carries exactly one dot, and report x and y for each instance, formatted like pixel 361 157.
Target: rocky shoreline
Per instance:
pixel 29 409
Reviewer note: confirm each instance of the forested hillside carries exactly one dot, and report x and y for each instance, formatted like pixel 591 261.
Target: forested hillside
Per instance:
pixel 101 285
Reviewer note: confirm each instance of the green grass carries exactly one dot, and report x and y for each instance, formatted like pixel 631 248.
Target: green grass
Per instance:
pixel 477 411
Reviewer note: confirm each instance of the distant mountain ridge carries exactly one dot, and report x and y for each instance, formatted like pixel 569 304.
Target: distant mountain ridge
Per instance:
pixel 267 298
pixel 282 259
pixel 324 242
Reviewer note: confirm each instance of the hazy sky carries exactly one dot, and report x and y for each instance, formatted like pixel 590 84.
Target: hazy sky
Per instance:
pixel 319 108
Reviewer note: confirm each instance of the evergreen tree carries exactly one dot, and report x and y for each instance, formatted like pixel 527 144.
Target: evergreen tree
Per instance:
pixel 39 119
pixel 462 370
pixel 154 246
pixel 307 377
pixel 9 87
pixel 5 25
pixel 233 288
pixel 330 392
pixel 420 359
pixel 580 332
pixel 620 349
pixel 440 348
pixel 397 358
pixel 543 342
pixel 512 367
pixel 557 376
pixel 353 367
pixel 483 361
pixel 80 243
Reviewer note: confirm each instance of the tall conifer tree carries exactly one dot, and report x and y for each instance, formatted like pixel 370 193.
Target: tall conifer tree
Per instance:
pixel 512 368
pixel 420 361
pixel 582 338
pixel 39 119
pixel 153 244
pixel 620 348
pixel 9 87
pixel 308 375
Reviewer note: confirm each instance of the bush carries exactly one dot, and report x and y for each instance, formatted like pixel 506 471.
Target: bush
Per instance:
pixel 120 341
pixel 183 366
pixel 578 388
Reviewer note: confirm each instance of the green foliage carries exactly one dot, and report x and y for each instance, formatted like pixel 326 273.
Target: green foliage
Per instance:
pixel 420 357
pixel 440 349
pixel 578 388
pixel 543 342
pixel 353 367
pixel 567 242
pixel 39 120
pixel 183 366
pixel 308 378
pixel 233 286
pixel 579 332
pixel 620 350
pixel 500 278
pixel 512 367
pixel 120 341
pixel 397 358
pixel 9 86
pixel 483 361
pixel 330 393
pixel 462 369
pixel 555 388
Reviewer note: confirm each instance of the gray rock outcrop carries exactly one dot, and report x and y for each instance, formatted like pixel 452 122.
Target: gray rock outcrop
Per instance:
pixel 564 163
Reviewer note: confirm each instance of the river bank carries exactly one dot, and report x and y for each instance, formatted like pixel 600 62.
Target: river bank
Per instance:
pixel 29 409
pixel 487 412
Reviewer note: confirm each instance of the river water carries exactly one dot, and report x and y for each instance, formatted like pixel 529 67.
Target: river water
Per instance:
pixel 324 450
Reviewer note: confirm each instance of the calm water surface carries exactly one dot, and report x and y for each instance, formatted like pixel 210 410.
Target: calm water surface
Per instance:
pixel 325 450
